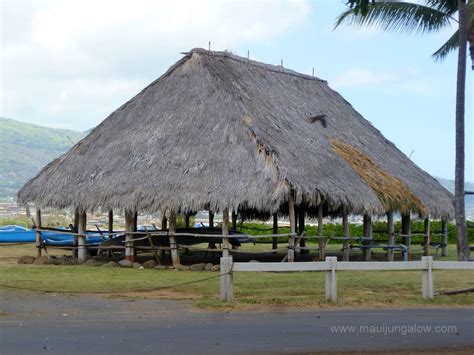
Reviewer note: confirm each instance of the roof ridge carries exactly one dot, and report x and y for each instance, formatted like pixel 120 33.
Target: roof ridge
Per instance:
pixel 261 65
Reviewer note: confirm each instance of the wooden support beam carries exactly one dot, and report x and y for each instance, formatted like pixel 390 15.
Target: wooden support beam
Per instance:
pixel 129 227
pixel 367 234
pixel 186 220
pixel 444 237
pixel 275 231
pixel 38 233
pixel 225 233
pixel 76 230
pixel 76 221
pixel 322 244
pixel 211 219
pixel 173 243
pixel 211 245
pixel 291 240
pixel 135 221
pixel 427 237
pixel 164 222
pixel 345 227
pixel 296 218
pixel 301 228
pixel 81 239
pixel 391 235
pixel 111 221
pixel 406 230
pixel 234 221
pixel 164 226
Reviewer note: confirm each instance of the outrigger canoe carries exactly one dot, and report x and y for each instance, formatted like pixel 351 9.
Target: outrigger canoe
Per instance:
pixel 195 236
pixel 19 234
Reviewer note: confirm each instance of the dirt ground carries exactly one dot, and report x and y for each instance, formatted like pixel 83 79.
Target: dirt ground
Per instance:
pixel 33 323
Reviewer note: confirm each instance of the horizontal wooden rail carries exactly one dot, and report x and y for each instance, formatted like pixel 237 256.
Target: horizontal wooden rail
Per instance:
pixel 331 266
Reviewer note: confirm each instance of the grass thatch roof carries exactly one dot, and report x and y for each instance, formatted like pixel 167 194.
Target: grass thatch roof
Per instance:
pixel 217 130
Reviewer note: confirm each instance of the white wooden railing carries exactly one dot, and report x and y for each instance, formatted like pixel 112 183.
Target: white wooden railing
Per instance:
pixel 331 266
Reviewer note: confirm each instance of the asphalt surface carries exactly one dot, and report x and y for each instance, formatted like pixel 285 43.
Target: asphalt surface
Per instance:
pixel 63 324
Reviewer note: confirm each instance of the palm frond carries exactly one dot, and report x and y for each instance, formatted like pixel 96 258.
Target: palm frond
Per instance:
pixel 449 7
pixel 397 16
pixel 451 45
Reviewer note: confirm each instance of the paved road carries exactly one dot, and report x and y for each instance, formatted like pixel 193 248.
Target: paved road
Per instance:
pixel 60 324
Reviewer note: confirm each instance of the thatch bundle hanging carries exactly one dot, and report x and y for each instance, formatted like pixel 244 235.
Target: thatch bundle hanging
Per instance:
pixel 218 130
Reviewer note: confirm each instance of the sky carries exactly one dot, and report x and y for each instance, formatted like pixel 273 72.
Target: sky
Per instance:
pixel 68 64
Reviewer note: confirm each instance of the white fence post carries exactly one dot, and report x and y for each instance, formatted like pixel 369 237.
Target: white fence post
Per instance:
pixel 81 248
pixel 427 277
pixel 227 287
pixel 331 279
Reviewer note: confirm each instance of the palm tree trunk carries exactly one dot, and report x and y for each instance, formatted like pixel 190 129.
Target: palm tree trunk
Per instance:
pixel 459 209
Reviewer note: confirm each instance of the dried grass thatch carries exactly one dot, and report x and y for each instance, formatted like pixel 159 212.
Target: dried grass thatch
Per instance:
pixel 217 130
pixel 392 192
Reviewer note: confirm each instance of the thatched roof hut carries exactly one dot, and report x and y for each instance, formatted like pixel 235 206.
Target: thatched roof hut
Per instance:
pixel 220 131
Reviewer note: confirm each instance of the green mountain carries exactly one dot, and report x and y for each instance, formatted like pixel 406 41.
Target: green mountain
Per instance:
pixel 25 148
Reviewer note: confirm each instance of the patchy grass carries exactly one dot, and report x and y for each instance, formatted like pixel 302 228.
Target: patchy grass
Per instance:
pixel 252 290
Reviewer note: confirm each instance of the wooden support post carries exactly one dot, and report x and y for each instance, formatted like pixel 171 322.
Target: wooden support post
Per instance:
pixel 322 244
pixel 275 231
pixel 81 240
pixel 173 243
pixel 444 237
pixel 38 233
pixel 129 227
pixel 427 237
pixel 164 226
pixel 225 233
pixel 296 219
pixel 186 220
pixel 135 221
pixel 406 230
pixel 111 221
pixel 234 221
pixel 227 289
pixel 391 236
pixel 331 279
pixel 291 239
pixel 367 234
pixel 76 230
pixel 345 227
pixel 211 219
pixel 427 277
pixel 211 245
pixel 301 228
pixel 234 227
pixel 76 221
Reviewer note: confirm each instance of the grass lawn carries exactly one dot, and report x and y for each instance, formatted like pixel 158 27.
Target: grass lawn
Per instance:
pixel 251 290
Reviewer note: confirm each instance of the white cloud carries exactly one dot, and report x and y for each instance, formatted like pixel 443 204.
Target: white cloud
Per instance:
pixel 362 77
pixel 70 63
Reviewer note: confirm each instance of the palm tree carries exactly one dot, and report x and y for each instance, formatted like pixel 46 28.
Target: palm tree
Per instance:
pixel 433 15
pixel 462 241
